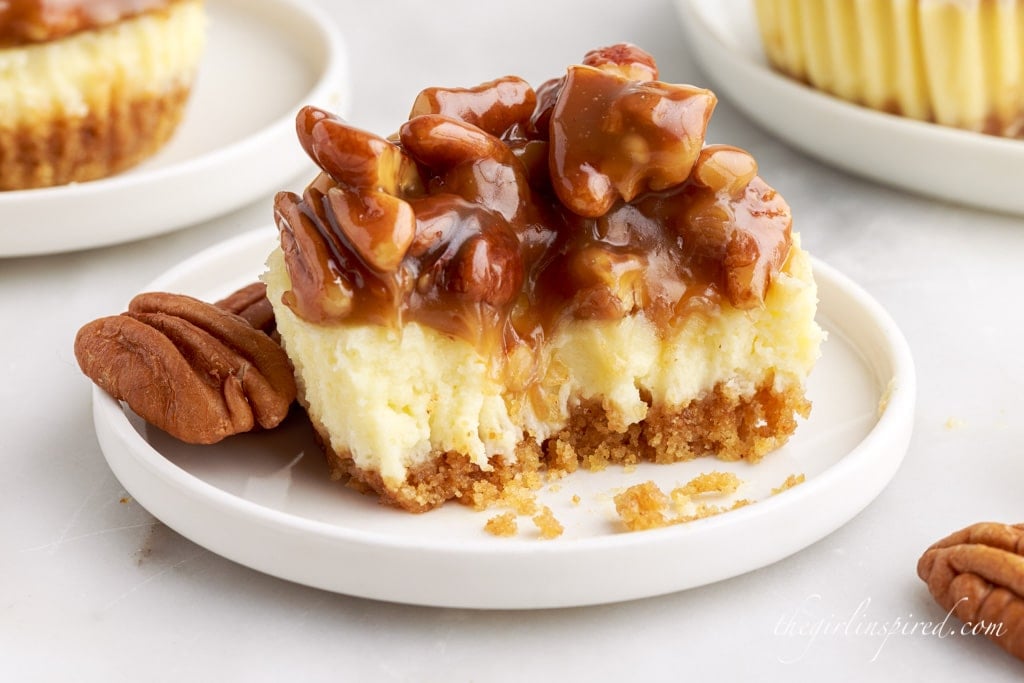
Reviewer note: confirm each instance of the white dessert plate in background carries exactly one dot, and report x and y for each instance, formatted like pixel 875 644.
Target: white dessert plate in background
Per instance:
pixel 236 143
pixel 925 158
pixel 265 500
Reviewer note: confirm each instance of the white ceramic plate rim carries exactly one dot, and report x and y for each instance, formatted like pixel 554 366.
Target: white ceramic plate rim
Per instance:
pixel 329 89
pixel 872 462
pixel 923 157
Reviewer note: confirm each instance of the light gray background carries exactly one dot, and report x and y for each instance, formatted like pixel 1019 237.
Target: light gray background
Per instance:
pixel 94 589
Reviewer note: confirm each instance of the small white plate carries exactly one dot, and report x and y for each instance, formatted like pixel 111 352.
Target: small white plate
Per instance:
pixel 937 161
pixel 266 501
pixel 236 143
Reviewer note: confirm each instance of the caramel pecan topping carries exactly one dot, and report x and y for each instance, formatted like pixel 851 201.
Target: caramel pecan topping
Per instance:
pixel 194 370
pixel 732 218
pixel 503 209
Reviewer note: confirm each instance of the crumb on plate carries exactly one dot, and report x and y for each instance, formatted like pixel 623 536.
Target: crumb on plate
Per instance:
pixel 502 525
pixel 644 505
pixel 548 525
pixel 791 481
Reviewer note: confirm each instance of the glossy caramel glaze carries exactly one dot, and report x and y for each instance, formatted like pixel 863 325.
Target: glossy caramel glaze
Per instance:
pixel 36 21
pixel 496 212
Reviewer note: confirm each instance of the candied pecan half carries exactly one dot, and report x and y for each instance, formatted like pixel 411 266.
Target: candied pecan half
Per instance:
pixel 372 175
pixel 469 162
pixel 465 251
pixel 354 157
pixel 624 59
pixel 194 370
pixel 730 219
pixel 614 138
pixel 978 574
pixel 493 107
pixel 608 282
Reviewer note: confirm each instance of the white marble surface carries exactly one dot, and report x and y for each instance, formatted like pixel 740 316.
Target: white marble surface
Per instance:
pixel 92 588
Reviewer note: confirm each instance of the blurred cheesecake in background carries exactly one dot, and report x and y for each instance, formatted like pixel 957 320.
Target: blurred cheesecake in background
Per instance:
pixel 91 87
pixel 959 63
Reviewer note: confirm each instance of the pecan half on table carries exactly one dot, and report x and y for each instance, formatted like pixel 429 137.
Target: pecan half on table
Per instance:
pixel 978 574
pixel 195 370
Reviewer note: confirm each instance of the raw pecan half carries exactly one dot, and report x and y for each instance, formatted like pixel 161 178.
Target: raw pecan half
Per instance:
pixel 978 574
pixel 194 370
pixel 251 303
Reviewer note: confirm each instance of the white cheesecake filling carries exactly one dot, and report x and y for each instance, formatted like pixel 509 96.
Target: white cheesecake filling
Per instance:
pixel 391 398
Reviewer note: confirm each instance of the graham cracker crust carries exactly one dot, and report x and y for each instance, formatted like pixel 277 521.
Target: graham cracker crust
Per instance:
pixel 63 150
pixel 728 426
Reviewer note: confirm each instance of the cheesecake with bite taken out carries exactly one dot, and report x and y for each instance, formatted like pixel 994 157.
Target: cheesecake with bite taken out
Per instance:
pixel 522 279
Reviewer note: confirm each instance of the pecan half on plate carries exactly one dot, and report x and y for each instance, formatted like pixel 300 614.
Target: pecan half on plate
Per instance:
pixel 196 371
pixel 251 303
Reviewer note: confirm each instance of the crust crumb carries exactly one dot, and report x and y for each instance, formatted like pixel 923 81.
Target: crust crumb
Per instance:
pixel 522 500
pixel 554 474
pixel 502 525
pixel 547 524
pixel 711 482
pixel 680 500
pixel 791 481
pixel 883 400
pixel 519 495
pixel 576 499
pixel 642 507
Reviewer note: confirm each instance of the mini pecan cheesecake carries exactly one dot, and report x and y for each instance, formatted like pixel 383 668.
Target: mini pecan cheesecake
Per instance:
pixel 91 87
pixel 523 278
pixel 958 63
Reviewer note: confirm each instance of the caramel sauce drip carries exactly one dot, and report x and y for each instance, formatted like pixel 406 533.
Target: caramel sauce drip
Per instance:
pixel 24 22
pixel 497 212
